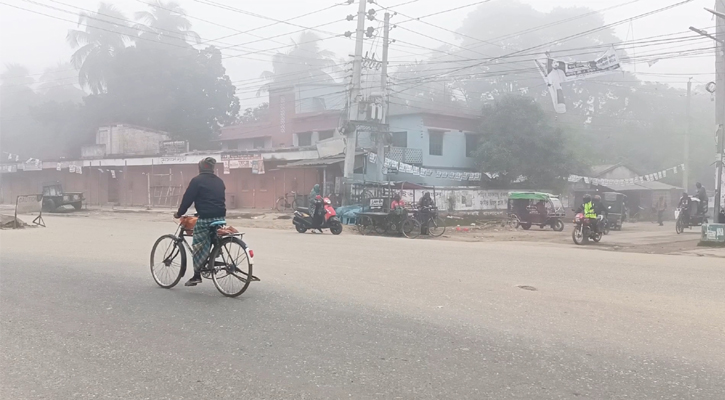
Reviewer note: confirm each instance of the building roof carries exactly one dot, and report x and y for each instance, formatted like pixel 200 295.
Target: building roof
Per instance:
pixel 651 185
pixel 599 170
pixel 319 162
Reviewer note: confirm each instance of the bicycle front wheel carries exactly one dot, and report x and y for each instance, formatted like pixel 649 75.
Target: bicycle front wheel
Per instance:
pixel 436 227
pixel 232 267
pixel 411 228
pixel 168 261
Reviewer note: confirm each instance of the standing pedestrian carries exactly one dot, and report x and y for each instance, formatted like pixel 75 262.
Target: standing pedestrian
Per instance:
pixel 661 208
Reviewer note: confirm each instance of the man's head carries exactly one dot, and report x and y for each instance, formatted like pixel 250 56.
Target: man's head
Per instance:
pixel 685 195
pixel 587 198
pixel 698 185
pixel 396 197
pixel 206 166
pixel 426 195
pixel 316 188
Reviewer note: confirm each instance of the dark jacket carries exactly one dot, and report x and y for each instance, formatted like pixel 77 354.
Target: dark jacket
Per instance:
pixel 206 191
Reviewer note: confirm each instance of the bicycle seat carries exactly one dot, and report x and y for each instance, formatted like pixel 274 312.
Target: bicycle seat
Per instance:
pixel 218 223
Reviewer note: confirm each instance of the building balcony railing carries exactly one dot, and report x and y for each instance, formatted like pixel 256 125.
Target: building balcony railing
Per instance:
pixel 406 155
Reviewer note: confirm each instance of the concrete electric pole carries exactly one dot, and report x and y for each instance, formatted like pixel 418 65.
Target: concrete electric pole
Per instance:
pixel 384 87
pixel 353 110
pixel 686 172
pixel 719 12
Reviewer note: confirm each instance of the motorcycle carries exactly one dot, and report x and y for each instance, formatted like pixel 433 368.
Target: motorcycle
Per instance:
pixel 303 221
pixel 583 231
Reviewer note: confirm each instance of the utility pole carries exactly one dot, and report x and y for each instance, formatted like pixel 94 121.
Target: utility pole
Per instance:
pixel 353 110
pixel 384 86
pixel 686 172
pixel 719 12
pixel 719 100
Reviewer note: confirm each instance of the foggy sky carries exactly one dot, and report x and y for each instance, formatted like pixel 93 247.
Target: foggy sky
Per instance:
pixel 38 41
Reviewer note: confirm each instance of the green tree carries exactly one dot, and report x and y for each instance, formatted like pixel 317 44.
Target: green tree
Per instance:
pixel 60 83
pixel 305 62
pixel 185 92
pixel 519 141
pixel 104 34
pixel 166 23
pixel 255 114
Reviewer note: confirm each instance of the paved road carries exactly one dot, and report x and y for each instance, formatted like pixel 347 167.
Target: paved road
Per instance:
pixel 356 317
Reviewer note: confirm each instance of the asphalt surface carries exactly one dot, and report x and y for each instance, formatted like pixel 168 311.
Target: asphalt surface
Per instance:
pixel 355 317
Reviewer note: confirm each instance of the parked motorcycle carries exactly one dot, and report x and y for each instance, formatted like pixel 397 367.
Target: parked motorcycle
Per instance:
pixel 583 231
pixel 328 219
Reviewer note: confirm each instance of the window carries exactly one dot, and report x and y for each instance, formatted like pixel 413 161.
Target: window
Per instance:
pixel 435 143
pixel 400 139
pixel 472 141
pixel 258 143
pixel 324 135
pixel 304 139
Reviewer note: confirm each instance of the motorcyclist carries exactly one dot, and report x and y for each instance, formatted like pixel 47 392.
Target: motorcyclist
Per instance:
pixel 314 193
pixel 587 208
pixel 702 196
pixel 684 206
pixel 600 209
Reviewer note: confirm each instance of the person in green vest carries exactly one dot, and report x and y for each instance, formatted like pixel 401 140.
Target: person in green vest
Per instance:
pixel 587 208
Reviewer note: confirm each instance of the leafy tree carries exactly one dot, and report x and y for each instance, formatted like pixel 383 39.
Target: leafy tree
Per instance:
pixel 255 114
pixel 166 23
pixel 104 34
pixel 58 83
pixel 185 92
pixel 519 141
pixel 305 62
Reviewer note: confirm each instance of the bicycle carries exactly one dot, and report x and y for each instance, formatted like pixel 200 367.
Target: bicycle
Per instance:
pixel 382 223
pixel 229 263
pixel 431 222
pixel 283 204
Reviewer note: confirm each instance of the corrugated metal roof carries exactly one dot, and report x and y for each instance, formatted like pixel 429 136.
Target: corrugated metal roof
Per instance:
pixel 652 185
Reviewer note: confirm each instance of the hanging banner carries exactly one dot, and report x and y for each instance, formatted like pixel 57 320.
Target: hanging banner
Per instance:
pixel 555 72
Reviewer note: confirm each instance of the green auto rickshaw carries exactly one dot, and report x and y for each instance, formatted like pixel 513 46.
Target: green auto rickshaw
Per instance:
pixel 526 209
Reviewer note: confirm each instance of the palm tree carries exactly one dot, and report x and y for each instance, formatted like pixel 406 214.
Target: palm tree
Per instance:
pixel 305 62
pixel 166 23
pixel 104 34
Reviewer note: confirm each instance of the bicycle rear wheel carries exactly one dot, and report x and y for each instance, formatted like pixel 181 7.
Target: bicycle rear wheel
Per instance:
pixel 280 204
pixel 232 267
pixel 168 261
pixel 436 227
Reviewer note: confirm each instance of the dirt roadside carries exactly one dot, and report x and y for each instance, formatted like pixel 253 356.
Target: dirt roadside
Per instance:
pixel 645 237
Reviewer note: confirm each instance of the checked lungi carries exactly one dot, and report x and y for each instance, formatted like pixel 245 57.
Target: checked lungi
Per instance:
pixel 201 243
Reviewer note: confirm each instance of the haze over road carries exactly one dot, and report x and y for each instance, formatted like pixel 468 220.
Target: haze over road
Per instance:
pixel 355 317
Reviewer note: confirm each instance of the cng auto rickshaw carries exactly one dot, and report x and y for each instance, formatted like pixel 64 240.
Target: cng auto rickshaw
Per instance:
pixel 615 205
pixel 526 209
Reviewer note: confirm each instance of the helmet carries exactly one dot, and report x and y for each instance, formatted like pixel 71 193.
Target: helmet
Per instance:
pixel 587 198
pixel 597 197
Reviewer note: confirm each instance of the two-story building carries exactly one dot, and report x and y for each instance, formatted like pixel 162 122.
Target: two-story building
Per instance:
pixel 306 114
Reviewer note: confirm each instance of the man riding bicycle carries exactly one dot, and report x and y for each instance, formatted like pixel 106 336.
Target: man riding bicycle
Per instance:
pixel 207 192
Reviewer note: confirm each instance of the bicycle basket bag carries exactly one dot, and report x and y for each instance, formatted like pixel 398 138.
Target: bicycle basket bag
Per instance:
pixel 188 223
pixel 226 230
